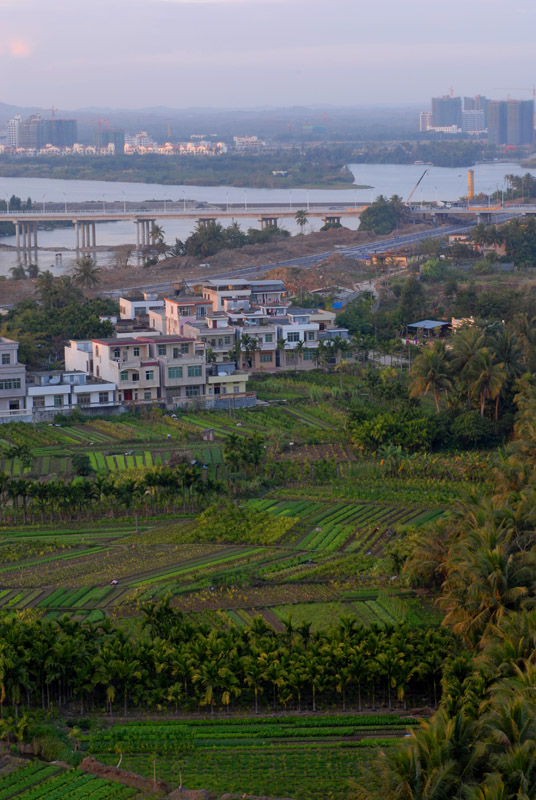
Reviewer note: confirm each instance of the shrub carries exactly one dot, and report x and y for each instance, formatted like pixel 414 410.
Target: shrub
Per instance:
pixel 472 430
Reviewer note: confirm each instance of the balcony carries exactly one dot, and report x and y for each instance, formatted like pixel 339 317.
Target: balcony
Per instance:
pixel 182 359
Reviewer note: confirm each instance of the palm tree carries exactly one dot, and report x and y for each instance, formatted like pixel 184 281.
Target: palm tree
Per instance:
pixel 431 373
pixel 488 378
pixel 465 345
pixel 157 234
pixel 86 273
pixel 45 285
pixel 301 216
pixel 280 346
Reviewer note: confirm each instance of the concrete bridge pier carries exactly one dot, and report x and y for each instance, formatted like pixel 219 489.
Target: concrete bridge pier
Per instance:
pixel 143 233
pixel 268 223
pixel 23 232
pixel 486 217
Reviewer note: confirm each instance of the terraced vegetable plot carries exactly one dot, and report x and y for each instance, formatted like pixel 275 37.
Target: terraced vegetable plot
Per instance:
pixel 40 782
pixel 345 527
pixel 264 756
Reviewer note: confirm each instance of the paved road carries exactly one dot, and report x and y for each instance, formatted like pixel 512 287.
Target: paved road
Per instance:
pixel 360 251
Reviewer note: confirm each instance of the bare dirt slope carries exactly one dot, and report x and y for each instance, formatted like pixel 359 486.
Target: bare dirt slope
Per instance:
pixel 174 269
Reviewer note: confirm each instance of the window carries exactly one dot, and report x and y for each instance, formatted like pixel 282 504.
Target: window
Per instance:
pixel 185 348
pixel 227 340
pixel 176 352
pixel 6 359
pixel 161 349
pixel 39 401
pixel 14 405
pixel 309 355
pixel 147 395
pixel 174 372
pixel 84 399
pixel 135 376
pixel 97 350
pixel 58 400
pixel 310 336
pixel 266 358
pixel 124 375
pixel 117 352
pixel 104 397
pixel 139 311
pixel 269 337
pixel 293 336
pixel 195 371
pixel 193 391
pixel 136 352
pixel 149 375
pixel 10 383
pixel 236 388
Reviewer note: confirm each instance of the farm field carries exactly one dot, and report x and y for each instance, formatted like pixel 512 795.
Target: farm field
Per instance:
pixel 302 757
pixel 335 528
pixel 38 781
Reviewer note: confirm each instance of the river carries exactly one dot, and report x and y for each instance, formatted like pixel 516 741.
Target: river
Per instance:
pixel 440 183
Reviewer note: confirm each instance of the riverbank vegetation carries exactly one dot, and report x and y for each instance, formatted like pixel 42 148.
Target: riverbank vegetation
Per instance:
pixel 314 167
pixel 441 154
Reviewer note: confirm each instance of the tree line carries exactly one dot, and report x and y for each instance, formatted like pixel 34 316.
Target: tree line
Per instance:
pixel 184 487
pixel 170 663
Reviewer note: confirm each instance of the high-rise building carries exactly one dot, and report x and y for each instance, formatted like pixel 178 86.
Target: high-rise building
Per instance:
pixel 446 111
pixel 61 132
pixel 115 137
pixel 511 122
pixel 13 131
pixel 473 121
pixel 425 121
pixel 520 121
pixel 33 132
pixel 496 122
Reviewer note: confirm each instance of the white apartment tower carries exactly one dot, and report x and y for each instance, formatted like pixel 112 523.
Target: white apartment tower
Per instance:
pixel 13 131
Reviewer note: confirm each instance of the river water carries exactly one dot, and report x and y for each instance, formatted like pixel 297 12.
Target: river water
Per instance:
pixel 440 183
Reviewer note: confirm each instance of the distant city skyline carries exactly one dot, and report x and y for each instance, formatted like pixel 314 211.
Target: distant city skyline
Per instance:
pixel 249 53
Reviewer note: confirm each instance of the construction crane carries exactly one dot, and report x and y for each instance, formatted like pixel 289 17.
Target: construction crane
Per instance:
pixel 515 89
pixel 416 187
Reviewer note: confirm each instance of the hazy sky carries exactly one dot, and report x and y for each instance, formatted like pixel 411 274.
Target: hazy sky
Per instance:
pixel 139 53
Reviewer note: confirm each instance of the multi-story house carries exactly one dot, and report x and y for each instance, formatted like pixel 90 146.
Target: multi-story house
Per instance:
pixel 78 355
pixel 235 289
pixel 12 380
pixel 216 333
pixel 54 391
pixel 258 346
pixel 267 293
pixel 182 367
pixel 128 363
pixel 227 386
pixel 184 308
pixel 138 304
pixel 295 328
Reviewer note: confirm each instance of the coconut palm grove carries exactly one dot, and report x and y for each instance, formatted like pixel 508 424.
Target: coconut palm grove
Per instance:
pixel 331 594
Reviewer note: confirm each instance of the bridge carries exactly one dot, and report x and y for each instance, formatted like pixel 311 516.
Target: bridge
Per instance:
pixel 85 220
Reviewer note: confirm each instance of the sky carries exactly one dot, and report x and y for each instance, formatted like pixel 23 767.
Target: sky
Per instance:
pixel 249 53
